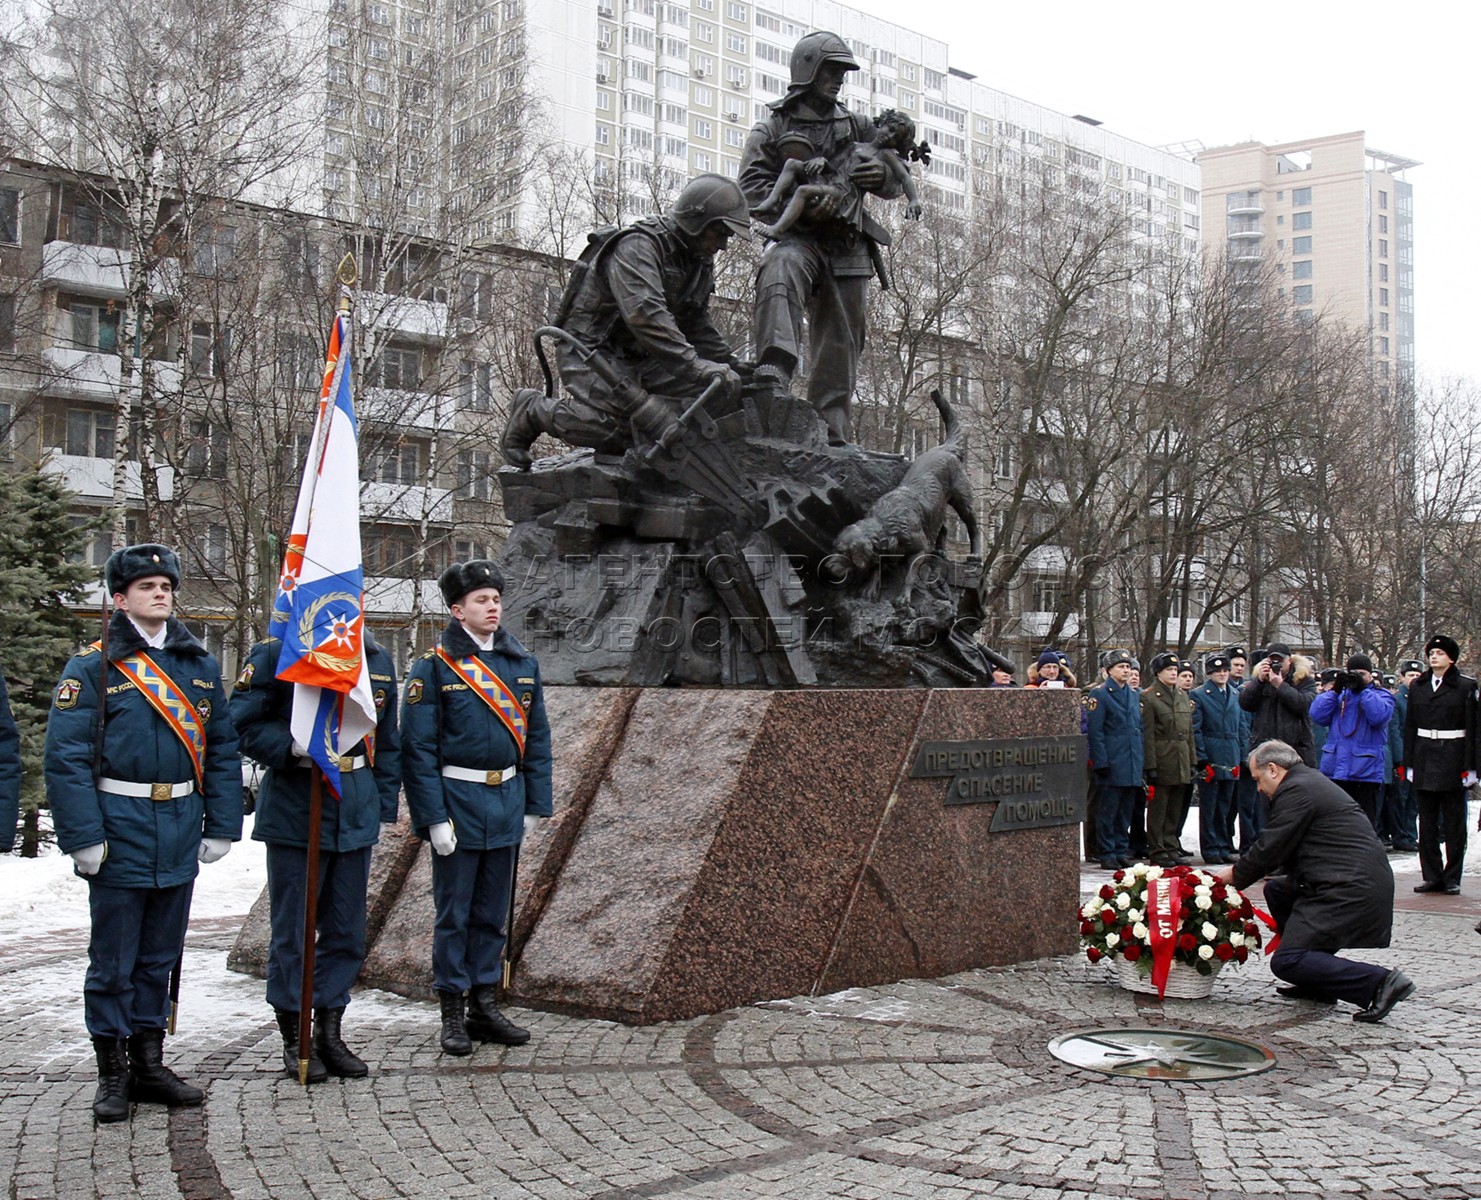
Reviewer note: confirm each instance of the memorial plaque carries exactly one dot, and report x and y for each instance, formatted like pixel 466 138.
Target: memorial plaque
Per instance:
pixel 1035 782
pixel 1171 1054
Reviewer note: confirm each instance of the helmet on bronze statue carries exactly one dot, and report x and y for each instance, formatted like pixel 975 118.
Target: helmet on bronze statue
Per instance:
pixel 813 51
pixel 709 198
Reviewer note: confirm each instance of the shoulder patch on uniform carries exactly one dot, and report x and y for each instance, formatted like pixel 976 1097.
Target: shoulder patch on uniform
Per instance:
pixel 87 652
pixel 244 680
pixel 526 699
pixel 203 708
pixel 1088 702
pixel 67 692
pixel 380 699
pixel 429 654
pixel 414 690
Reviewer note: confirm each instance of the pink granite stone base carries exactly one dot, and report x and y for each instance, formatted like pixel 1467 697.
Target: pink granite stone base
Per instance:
pixel 718 847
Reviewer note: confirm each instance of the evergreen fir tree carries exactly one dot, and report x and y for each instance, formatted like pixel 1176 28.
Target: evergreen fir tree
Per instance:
pixel 39 541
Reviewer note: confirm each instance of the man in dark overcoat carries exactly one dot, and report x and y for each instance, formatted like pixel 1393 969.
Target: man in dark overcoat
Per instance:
pixel 1336 888
pixel 1440 761
pixel 1113 725
pixel 1218 733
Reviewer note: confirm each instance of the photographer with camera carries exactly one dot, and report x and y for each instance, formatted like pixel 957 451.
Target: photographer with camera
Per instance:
pixel 1357 713
pixel 1278 697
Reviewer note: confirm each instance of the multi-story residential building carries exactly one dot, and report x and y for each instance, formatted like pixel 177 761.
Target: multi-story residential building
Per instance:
pixel 1336 217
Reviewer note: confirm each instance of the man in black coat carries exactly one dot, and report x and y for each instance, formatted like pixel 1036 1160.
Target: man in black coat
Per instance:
pixel 1337 889
pixel 1278 698
pixel 1440 761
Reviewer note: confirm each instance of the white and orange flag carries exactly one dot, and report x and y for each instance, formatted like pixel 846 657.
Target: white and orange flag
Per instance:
pixel 319 613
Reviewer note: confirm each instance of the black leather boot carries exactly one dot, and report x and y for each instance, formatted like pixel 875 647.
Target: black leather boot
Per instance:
pixel 150 1081
pixel 488 1024
pixel 111 1101
pixel 288 1027
pixel 338 1059
pixel 454 1032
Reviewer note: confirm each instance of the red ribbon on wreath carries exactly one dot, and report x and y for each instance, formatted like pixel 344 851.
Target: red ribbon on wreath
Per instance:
pixel 1164 913
pixel 1269 922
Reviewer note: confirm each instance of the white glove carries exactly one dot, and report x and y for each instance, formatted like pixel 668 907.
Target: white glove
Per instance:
pixel 299 751
pixel 1409 774
pixel 532 823
pixel 1466 780
pixel 442 837
pixel 214 849
pixel 89 860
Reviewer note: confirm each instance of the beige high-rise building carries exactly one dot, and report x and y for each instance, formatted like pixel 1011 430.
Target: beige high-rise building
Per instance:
pixel 1337 218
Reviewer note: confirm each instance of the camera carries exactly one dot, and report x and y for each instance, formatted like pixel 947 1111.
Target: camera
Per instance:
pixel 1346 681
pixel 1276 662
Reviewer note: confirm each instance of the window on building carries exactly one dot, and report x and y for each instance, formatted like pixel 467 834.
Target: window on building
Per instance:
pixel 210 349
pixel 7 330
pixel 1301 220
pixel 736 42
pixel 737 12
pixel 476 386
pixel 475 475
pixel 10 216
pixel 205 451
pixel 1383 296
pixel 388 551
pixel 1301 270
pixel 1382 199
pixel 703 129
pixel 1047 595
pixel 88 227
pixel 1301 245
pixel 399 462
pixel 1300 197
pixel 1383 321
pixel 1383 345
pixel 1383 272
pixel 89 433
pixel 1383 247
pixel 1301 294
pixel 1382 224
pixel 214 252
pixel 399 367
pixel 94 325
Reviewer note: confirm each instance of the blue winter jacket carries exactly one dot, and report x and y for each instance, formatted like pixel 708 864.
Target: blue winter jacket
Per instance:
pixel 443 723
pixel 1358 732
pixel 151 844
pixel 1219 727
pixel 261 708
pixel 1114 727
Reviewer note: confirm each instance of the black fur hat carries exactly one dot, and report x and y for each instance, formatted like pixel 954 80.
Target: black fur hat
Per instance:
pixel 1160 662
pixel 140 562
pixel 461 578
pixel 1447 644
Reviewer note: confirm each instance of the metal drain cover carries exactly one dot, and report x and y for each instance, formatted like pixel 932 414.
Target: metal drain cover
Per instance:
pixel 1161 1054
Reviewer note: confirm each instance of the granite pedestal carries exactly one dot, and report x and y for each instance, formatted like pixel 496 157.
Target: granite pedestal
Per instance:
pixel 713 848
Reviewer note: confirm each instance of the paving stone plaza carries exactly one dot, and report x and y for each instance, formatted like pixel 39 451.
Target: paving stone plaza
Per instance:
pixel 937 1088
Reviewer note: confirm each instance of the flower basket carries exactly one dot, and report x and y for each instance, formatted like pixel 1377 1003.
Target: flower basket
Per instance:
pixel 1169 930
pixel 1183 982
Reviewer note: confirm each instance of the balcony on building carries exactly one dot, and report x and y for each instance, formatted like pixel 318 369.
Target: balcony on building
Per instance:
pixel 97 374
pixel 1037 624
pixel 415 410
pixel 404 502
pixel 386 595
pixel 92 478
pixel 101 271
pixel 405 317
pixel 1240 203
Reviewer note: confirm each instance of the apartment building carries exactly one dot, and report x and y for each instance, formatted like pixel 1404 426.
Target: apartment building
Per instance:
pixel 1336 217
pixel 224 375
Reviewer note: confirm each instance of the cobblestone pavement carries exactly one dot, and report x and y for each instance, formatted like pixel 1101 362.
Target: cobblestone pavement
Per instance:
pixel 938 1088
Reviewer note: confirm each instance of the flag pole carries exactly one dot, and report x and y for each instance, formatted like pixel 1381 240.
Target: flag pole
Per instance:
pixel 346 275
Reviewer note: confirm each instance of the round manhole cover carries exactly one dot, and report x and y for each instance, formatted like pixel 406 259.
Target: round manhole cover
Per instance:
pixel 1161 1054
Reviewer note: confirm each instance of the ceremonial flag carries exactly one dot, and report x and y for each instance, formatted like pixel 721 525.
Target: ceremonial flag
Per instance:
pixel 319 614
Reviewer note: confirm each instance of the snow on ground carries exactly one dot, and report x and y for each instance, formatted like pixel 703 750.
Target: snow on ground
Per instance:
pixel 44 895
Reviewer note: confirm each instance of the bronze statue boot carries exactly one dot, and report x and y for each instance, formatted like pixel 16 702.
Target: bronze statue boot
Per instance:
pixel 487 1024
pixel 338 1059
pixel 288 1027
pixel 521 430
pixel 150 1081
pixel 111 1101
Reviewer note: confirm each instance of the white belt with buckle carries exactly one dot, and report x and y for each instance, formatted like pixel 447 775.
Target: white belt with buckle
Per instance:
pixel 469 775
pixel 155 791
pixel 346 763
pixel 1441 735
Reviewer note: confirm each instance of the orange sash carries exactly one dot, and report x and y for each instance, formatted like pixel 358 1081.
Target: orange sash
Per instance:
pixel 492 691
pixel 166 698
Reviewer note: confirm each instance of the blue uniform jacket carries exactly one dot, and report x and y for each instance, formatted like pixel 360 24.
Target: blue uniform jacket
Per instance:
pixel 1114 727
pixel 261 708
pixel 444 723
pixel 1219 727
pixel 151 844
pixel 10 771
pixel 1396 730
pixel 1358 738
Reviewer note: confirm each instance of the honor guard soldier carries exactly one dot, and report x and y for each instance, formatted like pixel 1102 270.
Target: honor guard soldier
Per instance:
pixel 370 783
pixel 476 760
pixel 1114 729
pixel 10 772
pixel 144 784
pixel 1440 761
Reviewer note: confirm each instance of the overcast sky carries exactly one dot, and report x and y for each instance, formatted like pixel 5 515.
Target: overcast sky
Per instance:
pixel 1163 73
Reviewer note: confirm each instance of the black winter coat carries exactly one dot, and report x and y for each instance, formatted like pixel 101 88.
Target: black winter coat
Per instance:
pixel 1438 763
pixel 1283 712
pixel 1322 842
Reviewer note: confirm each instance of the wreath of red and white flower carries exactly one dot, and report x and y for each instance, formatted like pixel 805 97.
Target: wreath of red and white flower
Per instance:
pixel 1213 923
